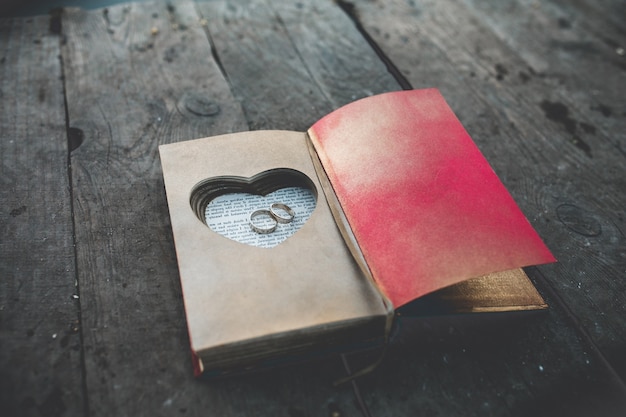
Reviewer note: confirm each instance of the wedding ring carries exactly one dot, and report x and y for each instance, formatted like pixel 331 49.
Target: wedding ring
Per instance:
pixel 278 211
pixel 260 227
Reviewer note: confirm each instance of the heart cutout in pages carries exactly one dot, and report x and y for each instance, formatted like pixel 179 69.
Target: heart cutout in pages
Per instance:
pixel 261 211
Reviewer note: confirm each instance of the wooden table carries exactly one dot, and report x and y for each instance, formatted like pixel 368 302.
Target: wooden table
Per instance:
pixel 91 314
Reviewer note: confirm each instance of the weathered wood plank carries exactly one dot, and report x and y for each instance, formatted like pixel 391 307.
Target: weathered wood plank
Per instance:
pixel 569 189
pixel 129 90
pixel 40 347
pixel 603 17
pixel 342 63
pixel 582 73
pixel 288 70
pixel 137 76
pixel 256 53
pixel 501 366
pixel 291 63
pixel 582 68
pixel 546 157
pixel 409 371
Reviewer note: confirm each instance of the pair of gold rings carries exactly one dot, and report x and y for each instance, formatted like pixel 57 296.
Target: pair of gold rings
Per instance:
pixel 277 213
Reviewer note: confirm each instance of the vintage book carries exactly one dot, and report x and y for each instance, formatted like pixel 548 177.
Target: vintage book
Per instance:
pixel 379 203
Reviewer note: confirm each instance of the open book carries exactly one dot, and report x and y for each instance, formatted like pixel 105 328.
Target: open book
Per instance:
pixel 296 242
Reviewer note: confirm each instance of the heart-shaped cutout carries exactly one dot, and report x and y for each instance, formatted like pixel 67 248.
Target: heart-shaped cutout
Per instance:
pixel 264 210
pixel 229 215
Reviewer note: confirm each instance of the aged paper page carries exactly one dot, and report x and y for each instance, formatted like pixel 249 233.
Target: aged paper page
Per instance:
pixel 229 215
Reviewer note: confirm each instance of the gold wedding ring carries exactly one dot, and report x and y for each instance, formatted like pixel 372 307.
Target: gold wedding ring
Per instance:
pixel 278 211
pixel 260 226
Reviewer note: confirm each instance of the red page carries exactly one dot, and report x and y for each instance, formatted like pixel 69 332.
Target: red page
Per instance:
pixel 423 203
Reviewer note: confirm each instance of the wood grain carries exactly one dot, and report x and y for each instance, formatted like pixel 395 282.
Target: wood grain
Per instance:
pixel 538 85
pixel 139 76
pixel 136 76
pixel 291 63
pixel 563 175
pixel 411 372
pixel 568 185
pixel 589 206
pixel 40 347
pixel 552 40
pixel 604 17
pixel 256 53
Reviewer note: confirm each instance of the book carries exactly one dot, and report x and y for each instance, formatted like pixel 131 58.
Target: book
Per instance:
pixel 295 243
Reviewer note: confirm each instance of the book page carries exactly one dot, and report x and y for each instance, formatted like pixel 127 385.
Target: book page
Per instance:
pixel 423 203
pixel 229 215
pixel 244 303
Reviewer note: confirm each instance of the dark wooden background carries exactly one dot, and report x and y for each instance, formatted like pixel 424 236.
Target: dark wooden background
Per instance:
pixel 91 315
